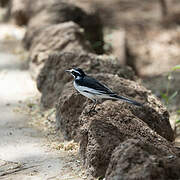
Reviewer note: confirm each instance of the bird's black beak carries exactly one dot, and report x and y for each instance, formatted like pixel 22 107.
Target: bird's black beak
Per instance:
pixel 68 71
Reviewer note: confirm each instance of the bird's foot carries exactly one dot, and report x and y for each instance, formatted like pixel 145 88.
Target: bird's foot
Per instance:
pixel 90 112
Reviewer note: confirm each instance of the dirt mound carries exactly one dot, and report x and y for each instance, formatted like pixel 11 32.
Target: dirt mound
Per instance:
pixel 48 13
pixel 52 77
pixel 134 159
pixel 61 37
pixel 112 124
pixel 100 133
pixel 68 109
pixel 70 106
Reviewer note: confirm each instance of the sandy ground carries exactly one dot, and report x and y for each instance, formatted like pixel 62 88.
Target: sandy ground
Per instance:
pixel 25 151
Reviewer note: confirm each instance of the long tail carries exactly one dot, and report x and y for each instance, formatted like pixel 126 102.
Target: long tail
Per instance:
pixel 126 99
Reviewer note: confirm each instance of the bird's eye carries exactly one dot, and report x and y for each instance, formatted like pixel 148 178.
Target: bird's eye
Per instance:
pixel 74 74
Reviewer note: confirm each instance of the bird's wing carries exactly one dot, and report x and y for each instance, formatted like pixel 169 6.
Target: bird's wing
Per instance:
pixel 95 85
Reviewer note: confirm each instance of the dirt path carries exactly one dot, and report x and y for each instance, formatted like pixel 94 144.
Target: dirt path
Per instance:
pixel 25 152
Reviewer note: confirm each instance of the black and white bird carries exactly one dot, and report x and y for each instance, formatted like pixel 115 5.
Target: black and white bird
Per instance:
pixel 93 89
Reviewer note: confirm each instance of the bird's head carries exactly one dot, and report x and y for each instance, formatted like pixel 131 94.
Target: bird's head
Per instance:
pixel 76 73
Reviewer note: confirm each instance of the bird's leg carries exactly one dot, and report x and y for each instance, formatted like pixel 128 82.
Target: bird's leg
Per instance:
pixel 92 109
pixel 93 106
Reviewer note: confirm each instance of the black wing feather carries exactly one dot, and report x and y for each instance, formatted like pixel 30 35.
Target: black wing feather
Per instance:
pixel 94 84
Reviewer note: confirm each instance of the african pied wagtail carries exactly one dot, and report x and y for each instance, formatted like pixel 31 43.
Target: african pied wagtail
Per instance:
pixel 93 89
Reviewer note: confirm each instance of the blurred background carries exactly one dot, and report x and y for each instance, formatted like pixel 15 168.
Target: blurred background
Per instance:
pixel 144 35
pixel 141 39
